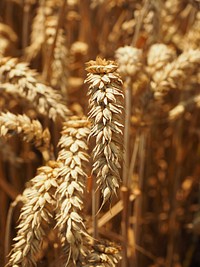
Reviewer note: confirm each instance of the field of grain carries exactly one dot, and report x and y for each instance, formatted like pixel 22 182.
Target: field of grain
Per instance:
pixel 100 133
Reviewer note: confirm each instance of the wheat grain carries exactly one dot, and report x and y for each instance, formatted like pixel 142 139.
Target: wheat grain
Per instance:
pixel 106 115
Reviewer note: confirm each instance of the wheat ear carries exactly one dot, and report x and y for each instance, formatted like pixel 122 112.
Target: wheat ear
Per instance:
pixel 59 77
pixel 175 74
pixel 59 71
pixel 36 217
pixel 171 19
pixel 159 55
pixel 46 100
pixel 192 38
pixel 70 193
pixel 106 114
pixel 41 28
pixel 37 34
pixel 129 60
pixel 31 131
pixel 104 254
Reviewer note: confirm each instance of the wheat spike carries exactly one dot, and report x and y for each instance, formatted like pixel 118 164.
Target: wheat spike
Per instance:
pixel 78 47
pixel 104 254
pixel 47 10
pixel 182 107
pixel 171 19
pixel 37 35
pixel 175 74
pixel 159 55
pixel 59 66
pixel 151 23
pixel 192 38
pixel 129 60
pixel 70 192
pixel 59 62
pixel 31 131
pixel 106 111
pixel 36 217
pixel 24 83
pixel 42 39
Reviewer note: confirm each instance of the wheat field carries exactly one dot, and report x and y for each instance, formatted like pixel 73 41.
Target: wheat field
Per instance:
pixel 99 133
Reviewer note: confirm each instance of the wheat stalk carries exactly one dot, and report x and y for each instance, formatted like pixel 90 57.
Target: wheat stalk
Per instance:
pixel 8 39
pixel 8 155
pixel 59 64
pixel 106 115
pixel 17 78
pixel 36 216
pixel 130 62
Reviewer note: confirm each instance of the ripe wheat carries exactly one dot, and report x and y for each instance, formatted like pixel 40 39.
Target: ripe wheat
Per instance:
pixel 24 83
pixel 70 192
pixel 31 131
pixel 106 114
